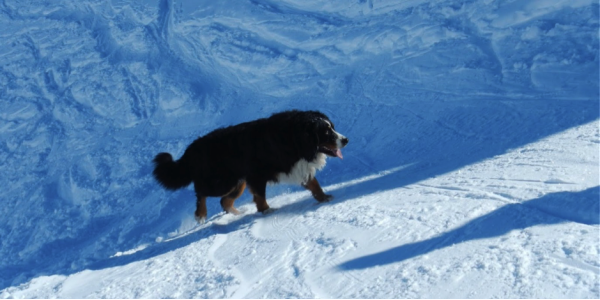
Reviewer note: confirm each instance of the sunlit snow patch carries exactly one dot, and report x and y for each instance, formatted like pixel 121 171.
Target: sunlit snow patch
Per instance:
pixel 368 177
pixel 132 251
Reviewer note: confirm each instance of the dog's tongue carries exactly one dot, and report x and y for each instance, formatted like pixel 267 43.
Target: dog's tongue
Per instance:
pixel 338 153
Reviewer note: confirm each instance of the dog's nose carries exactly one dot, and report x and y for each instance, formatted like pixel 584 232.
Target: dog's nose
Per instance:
pixel 344 141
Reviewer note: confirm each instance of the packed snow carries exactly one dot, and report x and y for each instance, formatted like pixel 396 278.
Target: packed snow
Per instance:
pixel 472 169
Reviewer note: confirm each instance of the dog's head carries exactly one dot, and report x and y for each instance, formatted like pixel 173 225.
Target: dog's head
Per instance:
pixel 323 137
pixel 330 142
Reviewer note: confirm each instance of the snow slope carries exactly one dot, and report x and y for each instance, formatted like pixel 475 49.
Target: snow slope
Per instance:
pixel 472 169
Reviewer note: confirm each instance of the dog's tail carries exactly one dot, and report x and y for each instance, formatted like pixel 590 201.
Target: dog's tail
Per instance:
pixel 171 174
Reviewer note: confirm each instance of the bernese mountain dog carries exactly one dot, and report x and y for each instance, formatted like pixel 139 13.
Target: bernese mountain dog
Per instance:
pixel 288 147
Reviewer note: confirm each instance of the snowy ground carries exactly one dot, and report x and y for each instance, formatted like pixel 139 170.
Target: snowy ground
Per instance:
pixel 472 169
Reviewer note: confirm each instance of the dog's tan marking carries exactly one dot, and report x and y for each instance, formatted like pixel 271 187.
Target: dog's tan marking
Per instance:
pixel 228 200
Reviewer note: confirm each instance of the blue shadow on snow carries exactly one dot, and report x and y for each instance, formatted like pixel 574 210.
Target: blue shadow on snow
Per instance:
pixel 582 207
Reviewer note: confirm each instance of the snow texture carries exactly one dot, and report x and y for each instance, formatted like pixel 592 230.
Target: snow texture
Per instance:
pixel 472 169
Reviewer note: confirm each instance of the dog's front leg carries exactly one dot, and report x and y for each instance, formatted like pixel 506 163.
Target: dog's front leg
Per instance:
pixel 259 189
pixel 315 188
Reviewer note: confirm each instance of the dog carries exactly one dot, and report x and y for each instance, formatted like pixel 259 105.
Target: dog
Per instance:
pixel 287 147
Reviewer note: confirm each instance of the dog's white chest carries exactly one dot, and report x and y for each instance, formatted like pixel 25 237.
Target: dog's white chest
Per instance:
pixel 303 170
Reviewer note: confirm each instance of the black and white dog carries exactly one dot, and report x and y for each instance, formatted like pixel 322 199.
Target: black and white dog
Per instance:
pixel 288 147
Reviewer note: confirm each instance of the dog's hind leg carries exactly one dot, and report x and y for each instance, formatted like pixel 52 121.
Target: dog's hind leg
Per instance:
pixel 315 188
pixel 258 189
pixel 201 211
pixel 228 200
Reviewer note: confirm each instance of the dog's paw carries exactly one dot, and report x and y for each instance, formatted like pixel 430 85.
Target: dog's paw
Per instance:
pixel 200 220
pixel 325 198
pixel 233 211
pixel 268 211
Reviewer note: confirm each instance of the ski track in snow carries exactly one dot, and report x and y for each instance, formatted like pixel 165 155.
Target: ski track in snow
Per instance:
pixel 472 169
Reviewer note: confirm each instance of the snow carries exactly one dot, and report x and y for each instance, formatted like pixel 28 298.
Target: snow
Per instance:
pixel 472 169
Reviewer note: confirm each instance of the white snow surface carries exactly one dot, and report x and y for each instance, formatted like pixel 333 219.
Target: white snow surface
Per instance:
pixel 472 169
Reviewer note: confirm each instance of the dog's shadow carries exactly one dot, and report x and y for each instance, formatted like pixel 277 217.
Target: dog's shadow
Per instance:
pixel 194 235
